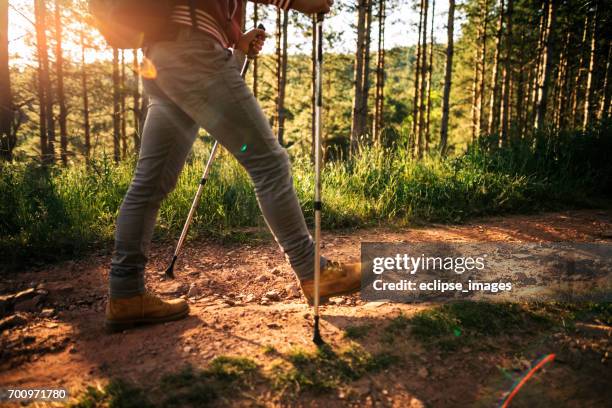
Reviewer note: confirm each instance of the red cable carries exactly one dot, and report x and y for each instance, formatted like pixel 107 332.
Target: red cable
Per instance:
pixel 527 376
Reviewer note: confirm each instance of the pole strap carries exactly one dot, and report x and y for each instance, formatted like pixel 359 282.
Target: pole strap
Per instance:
pixel 318 205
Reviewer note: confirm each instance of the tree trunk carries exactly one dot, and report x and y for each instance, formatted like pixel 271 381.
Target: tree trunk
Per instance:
pixel 546 65
pixel 587 93
pixel 421 134
pixel 605 93
pixel 476 90
pixel 356 125
pixel 380 74
pixel 483 63
pixel 506 75
pixel 7 137
pixel 116 108
pixel 534 86
pixel 578 76
pixel 122 108
pixel 255 62
pixel 85 95
pixel 136 103
pixel 417 80
pixel 365 79
pixel 282 19
pixel 560 84
pixel 44 98
pixel 61 97
pixel 493 121
pixel 429 74
pixel 282 114
pixel 448 76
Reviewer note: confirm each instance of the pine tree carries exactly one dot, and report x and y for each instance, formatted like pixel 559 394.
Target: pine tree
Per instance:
pixel 7 136
pixel 448 80
pixel 116 108
pixel 61 97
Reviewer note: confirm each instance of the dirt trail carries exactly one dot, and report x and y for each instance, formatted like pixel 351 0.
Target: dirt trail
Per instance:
pixel 244 302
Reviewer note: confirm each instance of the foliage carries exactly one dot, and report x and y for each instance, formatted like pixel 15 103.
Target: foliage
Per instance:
pixel 54 213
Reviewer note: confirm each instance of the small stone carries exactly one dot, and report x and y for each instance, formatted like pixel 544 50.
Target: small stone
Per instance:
pixel 423 372
pixel 193 291
pixel 174 289
pixel 292 291
pixel 273 295
pixel 47 313
pixel 229 302
pixel 250 297
pixel 262 279
pixel 264 301
pixel 274 326
pixel 187 349
pixel 275 271
pixel 72 350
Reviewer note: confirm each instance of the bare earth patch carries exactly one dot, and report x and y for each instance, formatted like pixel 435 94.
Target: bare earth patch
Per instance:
pixel 245 303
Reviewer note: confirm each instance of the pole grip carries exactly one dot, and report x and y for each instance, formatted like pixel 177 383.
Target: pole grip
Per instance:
pixel 251 54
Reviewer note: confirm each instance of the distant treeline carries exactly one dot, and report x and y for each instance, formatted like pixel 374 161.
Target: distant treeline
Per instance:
pixel 518 66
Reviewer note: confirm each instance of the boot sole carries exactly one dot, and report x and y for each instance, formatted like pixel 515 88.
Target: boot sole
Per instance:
pixel 114 326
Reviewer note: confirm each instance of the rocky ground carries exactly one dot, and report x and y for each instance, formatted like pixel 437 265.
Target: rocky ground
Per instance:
pixel 245 304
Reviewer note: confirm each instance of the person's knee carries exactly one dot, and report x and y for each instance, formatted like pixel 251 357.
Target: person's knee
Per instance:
pixel 167 185
pixel 271 169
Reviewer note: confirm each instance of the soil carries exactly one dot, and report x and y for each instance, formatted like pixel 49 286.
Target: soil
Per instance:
pixel 245 298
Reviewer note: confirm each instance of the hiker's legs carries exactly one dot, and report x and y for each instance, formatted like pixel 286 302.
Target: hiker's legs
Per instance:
pixel 201 77
pixel 166 141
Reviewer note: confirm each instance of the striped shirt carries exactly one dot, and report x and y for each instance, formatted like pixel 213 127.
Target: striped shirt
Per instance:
pixel 221 19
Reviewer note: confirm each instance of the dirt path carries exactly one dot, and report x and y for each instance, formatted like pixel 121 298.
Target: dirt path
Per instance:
pixel 244 302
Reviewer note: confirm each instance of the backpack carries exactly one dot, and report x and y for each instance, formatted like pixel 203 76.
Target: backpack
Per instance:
pixel 130 24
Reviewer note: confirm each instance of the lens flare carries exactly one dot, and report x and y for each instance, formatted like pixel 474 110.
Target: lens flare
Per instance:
pixel 147 69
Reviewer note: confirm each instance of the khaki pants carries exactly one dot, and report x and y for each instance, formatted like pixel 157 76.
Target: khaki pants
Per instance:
pixel 198 84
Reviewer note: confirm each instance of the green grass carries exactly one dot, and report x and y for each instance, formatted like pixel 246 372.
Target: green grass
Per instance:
pixel 56 213
pixel 397 326
pixel 117 394
pixel 192 387
pixel 325 370
pixel 357 332
pixel 229 378
pixel 455 324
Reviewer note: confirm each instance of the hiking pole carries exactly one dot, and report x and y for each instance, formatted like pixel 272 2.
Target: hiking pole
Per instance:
pixel 317 198
pixel 211 158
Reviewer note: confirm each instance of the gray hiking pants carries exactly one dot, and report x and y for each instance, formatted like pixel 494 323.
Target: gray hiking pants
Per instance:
pixel 198 84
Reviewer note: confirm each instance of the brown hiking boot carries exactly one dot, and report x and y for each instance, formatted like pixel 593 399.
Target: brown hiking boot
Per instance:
pixel 125 313
pixel 336 279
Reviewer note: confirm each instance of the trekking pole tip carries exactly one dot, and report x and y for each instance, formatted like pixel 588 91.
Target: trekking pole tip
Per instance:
pixel 316 338
pixel 170 270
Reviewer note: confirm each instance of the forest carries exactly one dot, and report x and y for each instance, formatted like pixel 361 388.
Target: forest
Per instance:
pixel 528 74
pixel 472 122
pixel 507 110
